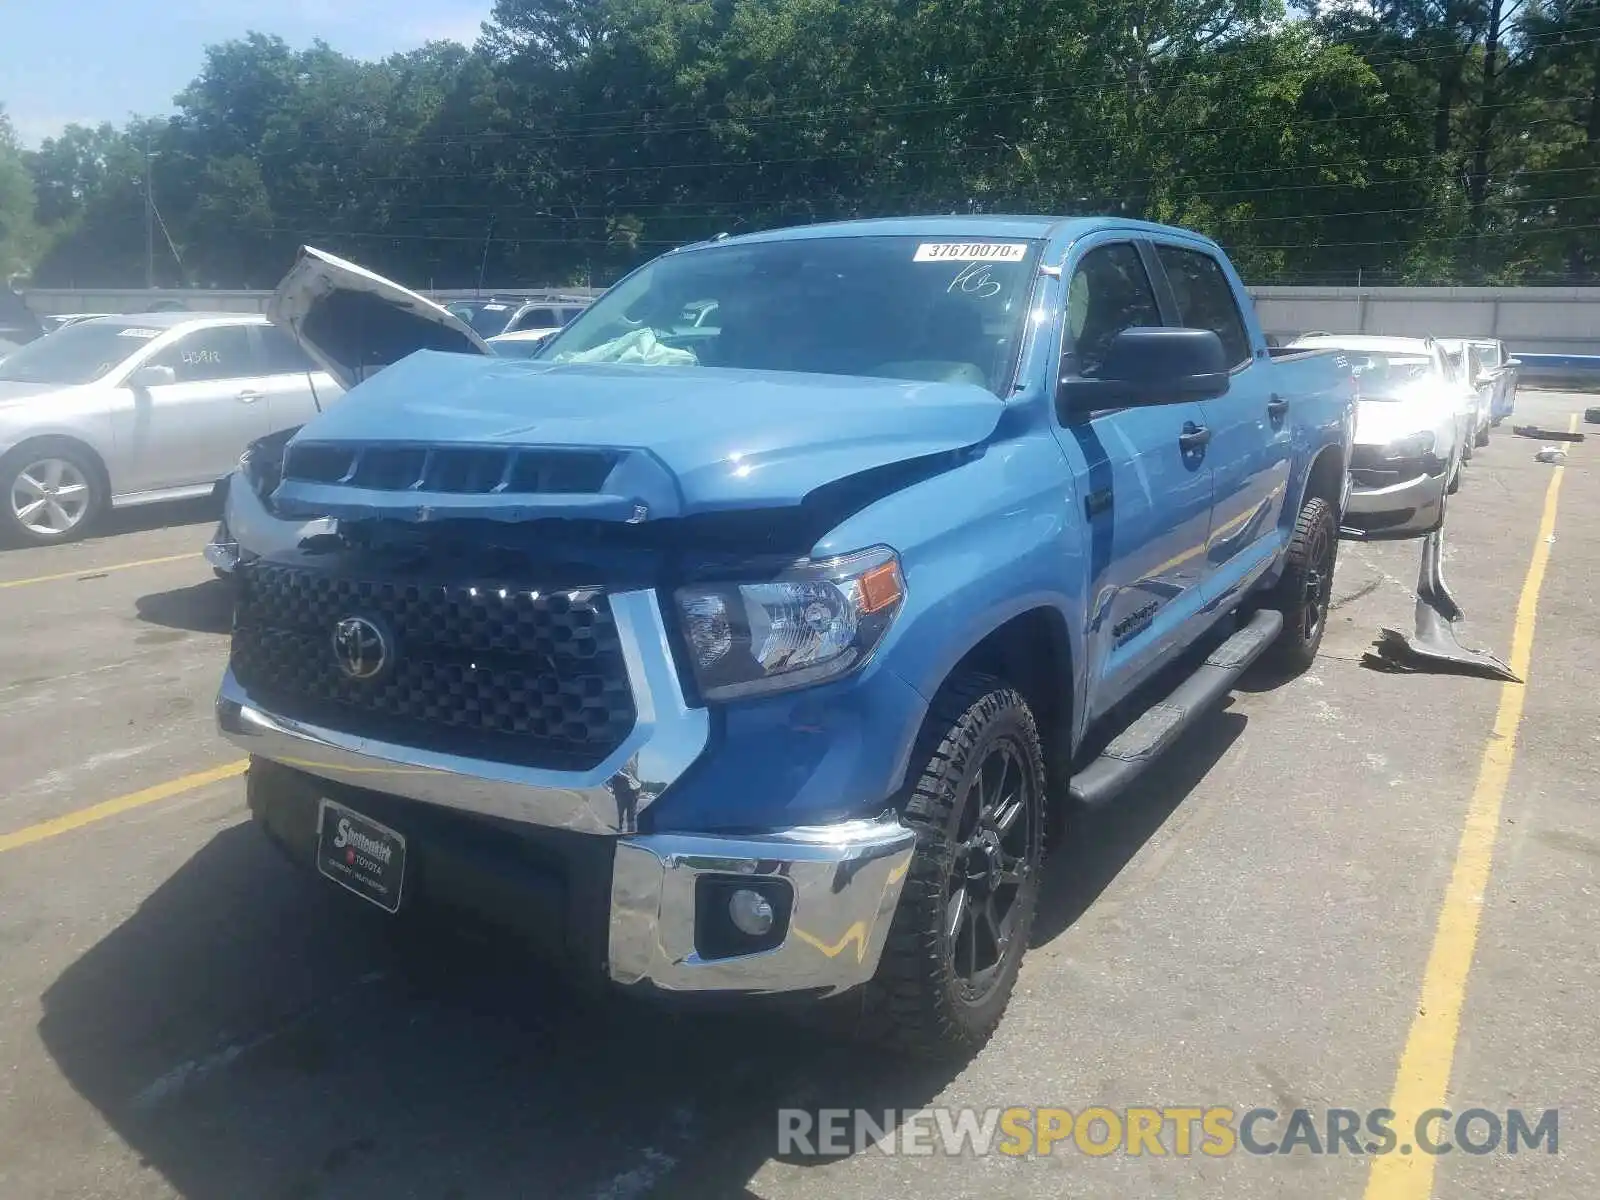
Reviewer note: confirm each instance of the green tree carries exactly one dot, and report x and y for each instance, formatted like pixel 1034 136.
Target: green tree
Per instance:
pixel 18 233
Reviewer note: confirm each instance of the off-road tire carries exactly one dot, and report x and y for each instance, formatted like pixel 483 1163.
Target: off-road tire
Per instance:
pixel 1312 555
pixel 913 1005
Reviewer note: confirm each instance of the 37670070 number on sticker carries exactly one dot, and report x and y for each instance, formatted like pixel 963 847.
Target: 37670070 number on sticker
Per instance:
pixel 971 252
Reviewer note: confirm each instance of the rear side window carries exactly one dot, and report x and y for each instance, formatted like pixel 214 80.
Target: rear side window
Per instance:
pixel 1205 299
pixel 1110 291
pixel 280 355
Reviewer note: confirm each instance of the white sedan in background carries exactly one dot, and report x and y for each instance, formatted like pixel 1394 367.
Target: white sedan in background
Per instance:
pixel 1412 433
pixel 524 343
pixel 1474 382
pixel 109 412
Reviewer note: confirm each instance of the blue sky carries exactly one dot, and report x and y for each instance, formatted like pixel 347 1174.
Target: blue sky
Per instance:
pixel 86 61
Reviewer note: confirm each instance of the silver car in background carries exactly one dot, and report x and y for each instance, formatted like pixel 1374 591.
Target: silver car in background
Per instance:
pixel 1500 370
pixel 111 412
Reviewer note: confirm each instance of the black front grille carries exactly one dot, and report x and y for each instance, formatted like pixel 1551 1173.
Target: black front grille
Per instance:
pixel 1365 478
pixel 484 670
pixel 1371 459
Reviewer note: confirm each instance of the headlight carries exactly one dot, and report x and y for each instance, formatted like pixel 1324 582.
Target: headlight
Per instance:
pixel 1414 446
pixel 262 468
pixel 815 622
pixel 262 462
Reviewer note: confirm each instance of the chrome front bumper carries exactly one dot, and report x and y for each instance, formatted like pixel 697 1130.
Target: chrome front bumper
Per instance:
pixel 844 881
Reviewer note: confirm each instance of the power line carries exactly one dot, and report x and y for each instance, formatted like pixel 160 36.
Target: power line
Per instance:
pixel 512 239
pixel 900 108
pixel 714 210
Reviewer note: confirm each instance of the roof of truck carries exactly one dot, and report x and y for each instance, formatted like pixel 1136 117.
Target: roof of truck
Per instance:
pixel 989 225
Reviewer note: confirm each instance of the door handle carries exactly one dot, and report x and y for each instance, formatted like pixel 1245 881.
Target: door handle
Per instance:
pixel 1276 407
pixel 249 396
pixel 1194 437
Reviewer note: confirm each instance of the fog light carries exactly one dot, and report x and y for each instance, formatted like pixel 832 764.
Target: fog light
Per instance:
pixel 750 912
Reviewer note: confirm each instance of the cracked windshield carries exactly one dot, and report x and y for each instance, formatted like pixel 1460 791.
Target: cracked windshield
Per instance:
pixel 799 600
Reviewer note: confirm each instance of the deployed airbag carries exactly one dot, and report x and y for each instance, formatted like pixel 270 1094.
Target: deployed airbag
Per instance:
pixel 640 348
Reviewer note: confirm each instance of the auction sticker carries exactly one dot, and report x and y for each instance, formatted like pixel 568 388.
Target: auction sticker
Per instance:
pixel 971 252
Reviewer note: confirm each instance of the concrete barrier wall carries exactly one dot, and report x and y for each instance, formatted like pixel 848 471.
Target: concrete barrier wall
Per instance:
pixel 1532 320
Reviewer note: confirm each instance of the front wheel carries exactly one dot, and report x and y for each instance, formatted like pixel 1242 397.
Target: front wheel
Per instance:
pixel 1303 592
pixel 51 493
pixel 967 908
pixel 1483 437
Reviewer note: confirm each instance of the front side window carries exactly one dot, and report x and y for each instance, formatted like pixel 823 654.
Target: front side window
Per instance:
pixel 1205 299
pixel 1110 291
pixel 918 308
pixel 222 352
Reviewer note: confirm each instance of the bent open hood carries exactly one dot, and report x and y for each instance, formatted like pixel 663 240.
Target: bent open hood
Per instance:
pixel 355 323
pixel 448 435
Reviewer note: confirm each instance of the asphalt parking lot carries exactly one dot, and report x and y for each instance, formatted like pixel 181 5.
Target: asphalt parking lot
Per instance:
pixel 1354 891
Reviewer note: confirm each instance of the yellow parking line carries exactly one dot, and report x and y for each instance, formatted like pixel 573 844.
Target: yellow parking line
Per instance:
pixel 110 808
pixel 1424 1075
pixel 81 572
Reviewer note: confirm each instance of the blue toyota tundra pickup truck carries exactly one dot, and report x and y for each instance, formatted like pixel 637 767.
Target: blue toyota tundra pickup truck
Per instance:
pixel 751 637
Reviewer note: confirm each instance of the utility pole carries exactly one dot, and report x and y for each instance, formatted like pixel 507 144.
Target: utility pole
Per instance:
pixel 483 264
pixel 149 221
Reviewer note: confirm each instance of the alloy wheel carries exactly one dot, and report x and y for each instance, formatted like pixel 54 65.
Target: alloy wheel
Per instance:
pixel 50 497
pixel 1318 588
pixel 990 869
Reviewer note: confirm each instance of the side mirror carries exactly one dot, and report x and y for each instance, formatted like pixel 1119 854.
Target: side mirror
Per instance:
pixel 152 377
pixel 1144 367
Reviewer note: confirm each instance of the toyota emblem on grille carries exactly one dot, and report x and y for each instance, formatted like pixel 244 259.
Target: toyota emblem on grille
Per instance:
pixel 360 648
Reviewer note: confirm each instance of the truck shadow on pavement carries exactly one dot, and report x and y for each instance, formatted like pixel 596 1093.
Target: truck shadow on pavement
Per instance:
pixel 251 1035
pixel 198 608
pixel 1097 845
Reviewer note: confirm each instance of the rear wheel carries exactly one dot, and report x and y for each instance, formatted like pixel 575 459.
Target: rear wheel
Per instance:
pixel 1303 592
pixel 51 493
pixel 966 911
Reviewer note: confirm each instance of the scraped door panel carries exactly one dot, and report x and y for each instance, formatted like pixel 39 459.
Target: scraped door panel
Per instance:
pixel 1144 488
